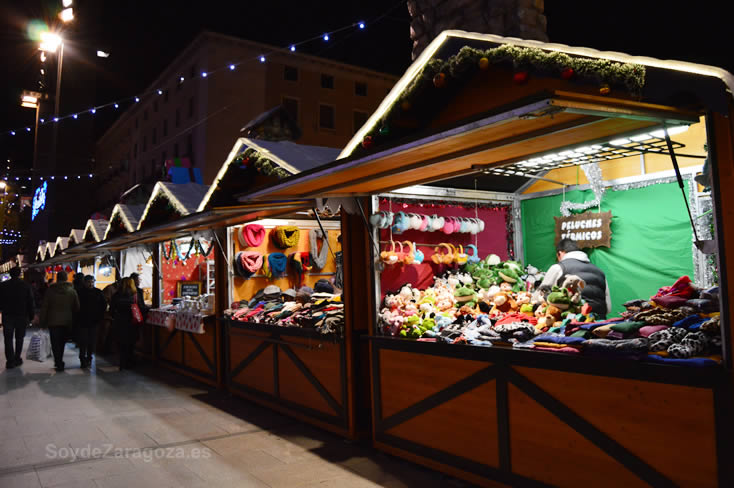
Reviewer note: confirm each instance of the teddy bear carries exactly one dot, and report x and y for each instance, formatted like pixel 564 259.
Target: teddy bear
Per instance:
pixel 523 302
pixel 550 316
pixel 574 284
pixel 502 303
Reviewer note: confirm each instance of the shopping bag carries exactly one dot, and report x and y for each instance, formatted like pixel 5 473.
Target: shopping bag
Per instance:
pixel 137 314
pixel 45 345
pixel 34 348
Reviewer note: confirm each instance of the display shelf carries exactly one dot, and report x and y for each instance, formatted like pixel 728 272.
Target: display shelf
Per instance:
pixel 284 331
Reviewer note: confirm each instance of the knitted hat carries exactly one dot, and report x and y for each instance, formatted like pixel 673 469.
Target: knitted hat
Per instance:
pixel 289 294
pixel 304 294
pixel 324 286
pixel 271 292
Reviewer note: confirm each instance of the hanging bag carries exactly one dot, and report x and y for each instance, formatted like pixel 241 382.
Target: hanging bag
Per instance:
pixel 136 313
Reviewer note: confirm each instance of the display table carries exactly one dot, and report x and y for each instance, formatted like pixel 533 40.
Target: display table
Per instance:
pixel 509 415
pixel 191 347
pixel 297 371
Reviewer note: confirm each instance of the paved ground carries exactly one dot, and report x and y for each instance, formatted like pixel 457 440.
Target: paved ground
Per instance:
pixel 150 428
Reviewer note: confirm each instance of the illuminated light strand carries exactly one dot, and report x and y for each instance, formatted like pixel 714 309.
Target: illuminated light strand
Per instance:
pixel 262 58
pixel 79 176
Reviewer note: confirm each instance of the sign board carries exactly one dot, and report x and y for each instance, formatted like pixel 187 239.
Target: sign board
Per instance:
pixel 589 229
pixel 189 289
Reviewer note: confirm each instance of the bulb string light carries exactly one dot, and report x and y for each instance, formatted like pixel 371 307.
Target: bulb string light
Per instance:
pixel 231 66
pixel 70 177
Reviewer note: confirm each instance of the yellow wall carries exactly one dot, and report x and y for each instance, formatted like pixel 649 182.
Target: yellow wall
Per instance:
pixel 694 139
pixel 244 289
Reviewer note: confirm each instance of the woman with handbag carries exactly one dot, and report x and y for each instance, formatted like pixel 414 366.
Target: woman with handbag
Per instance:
pixel 124 322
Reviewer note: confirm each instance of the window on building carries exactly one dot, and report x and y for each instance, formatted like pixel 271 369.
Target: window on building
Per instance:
pixel 175 150
pixel 178 117
pixel 359 120
pixel 165 127
pixel 145 114
pixel 291 106
pixel 290 73
pixel 154 137
pixel 327 81
pixel 190 146
pixel 145 143
pixel 191 107
pixel 163 158
pixel 149 170
pixel 326 117
pixel 360 89
pixel 135 151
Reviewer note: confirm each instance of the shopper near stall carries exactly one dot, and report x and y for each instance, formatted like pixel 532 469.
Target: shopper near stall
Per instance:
pixel 123 327
pixel 57 314
pixel 18 309
pixel 574 261
pixel 141 297
pixel 91 315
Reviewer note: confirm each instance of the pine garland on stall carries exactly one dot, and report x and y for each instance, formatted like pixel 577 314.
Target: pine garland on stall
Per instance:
pixel 262 164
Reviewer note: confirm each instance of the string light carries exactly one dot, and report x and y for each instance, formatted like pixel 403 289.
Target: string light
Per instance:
pixel 261 58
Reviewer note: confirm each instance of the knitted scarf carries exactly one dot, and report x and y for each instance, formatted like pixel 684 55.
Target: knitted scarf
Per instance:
pixel 299 262
pixel 277 262
pixel 285 236
pixel 251 235
pixel 318 258
pixel 251 262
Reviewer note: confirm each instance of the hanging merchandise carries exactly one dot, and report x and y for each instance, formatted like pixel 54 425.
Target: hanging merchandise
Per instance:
pixel 299 262
pixel 596 181
pixel 275 265
pixel 444 258
pixel 251 235
pixel 247 263
pixel 418 255
pixel 339 275
pixel 472 258
pixel 205 252
pixel 318 257
pixel 391 256
pixel 285 236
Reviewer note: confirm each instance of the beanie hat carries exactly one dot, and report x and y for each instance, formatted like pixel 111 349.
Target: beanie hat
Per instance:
pixel 304 294
pixel 251 235
pixel 289 294
pixel 271 292
pixel 323 286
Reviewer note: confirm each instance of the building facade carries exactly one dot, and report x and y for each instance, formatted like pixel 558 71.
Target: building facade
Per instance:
pixel 197 106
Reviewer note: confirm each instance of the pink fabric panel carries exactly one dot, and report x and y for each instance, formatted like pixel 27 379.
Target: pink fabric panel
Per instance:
pixel 492 241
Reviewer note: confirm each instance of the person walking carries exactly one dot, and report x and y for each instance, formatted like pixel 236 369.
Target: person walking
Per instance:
pixel 141 296
pixel 91 315
pixel 57 315
pixel 18 309
pixel 122 321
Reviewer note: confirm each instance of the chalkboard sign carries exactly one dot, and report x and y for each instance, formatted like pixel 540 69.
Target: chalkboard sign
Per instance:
pixel 588 229
pixel 189 288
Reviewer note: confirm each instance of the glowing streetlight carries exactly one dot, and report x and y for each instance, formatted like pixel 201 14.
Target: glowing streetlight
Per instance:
pixel 66 15
pixel 103 54
pixel 66 3
pixel 50 42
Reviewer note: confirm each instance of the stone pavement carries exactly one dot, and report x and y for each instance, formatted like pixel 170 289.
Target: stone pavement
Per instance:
pixel 151 428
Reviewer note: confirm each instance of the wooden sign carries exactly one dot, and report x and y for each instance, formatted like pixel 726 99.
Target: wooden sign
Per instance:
pixel 589 229
pixel 189 289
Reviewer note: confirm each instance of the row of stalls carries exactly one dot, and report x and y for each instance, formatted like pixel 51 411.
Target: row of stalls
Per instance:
pixel 395 290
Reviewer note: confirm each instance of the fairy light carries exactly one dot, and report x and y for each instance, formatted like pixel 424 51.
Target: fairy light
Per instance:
pixel 262 58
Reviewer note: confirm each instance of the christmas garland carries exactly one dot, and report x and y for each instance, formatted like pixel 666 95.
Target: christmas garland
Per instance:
pixel 438 74
pixel 194 246
pixel 204 252
pixel 262 164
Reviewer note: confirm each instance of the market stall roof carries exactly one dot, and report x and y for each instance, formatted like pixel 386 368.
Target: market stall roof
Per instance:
pixel 182 198
pixel 125 218
pixel 94 230
pixel 517 124
pixel 202 222
pixel 50 249
pixel 76 236
pixel 41 251
pixel 61 243
pixel 278 158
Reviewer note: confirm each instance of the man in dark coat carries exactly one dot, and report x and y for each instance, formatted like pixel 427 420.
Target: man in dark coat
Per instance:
pixel 92 307
pixel 57 314
pixel 18 309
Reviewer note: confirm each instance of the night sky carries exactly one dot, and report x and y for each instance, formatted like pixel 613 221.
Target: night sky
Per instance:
pixel 144 39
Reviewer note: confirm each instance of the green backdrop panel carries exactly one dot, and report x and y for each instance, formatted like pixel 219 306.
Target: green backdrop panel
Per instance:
pixel 651 238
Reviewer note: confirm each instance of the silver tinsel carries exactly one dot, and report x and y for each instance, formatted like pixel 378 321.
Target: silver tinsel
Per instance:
pixel 596 182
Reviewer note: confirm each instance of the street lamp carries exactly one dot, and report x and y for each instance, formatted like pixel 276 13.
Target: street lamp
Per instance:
pixel 51 42
pixel 32 99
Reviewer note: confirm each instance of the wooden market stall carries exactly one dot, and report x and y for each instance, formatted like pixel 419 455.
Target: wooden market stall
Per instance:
pixel 302 371
pixel 505 112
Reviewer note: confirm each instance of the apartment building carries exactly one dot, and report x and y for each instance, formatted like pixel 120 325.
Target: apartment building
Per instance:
pixel 198 105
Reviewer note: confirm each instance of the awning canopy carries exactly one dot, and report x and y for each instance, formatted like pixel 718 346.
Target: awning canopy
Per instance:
pixel 202 222
pixel 94 230
pixel 547 125
pixel 183 198
pixel 124 218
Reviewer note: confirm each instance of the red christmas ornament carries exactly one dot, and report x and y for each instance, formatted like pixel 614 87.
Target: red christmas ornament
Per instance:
pixel 567 74
pixel 367 142
pixel 68 269
pixel 439 81
pixel 520 77
pixel 58 268
pixel 49 269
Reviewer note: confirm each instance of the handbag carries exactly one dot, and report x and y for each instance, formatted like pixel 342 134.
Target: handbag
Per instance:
pixel 137 314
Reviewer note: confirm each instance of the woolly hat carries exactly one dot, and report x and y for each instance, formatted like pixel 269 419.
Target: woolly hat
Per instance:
pixel 271 292
pixel 304 294
pixel 289 294
pixel 323 286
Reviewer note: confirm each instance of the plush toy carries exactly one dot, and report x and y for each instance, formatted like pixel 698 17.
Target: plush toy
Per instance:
pixel 550 316
pixel 560 298
pixel 465 296
pixel 523 301
pixel 574 284
pixel 502 303
pixel 492 260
